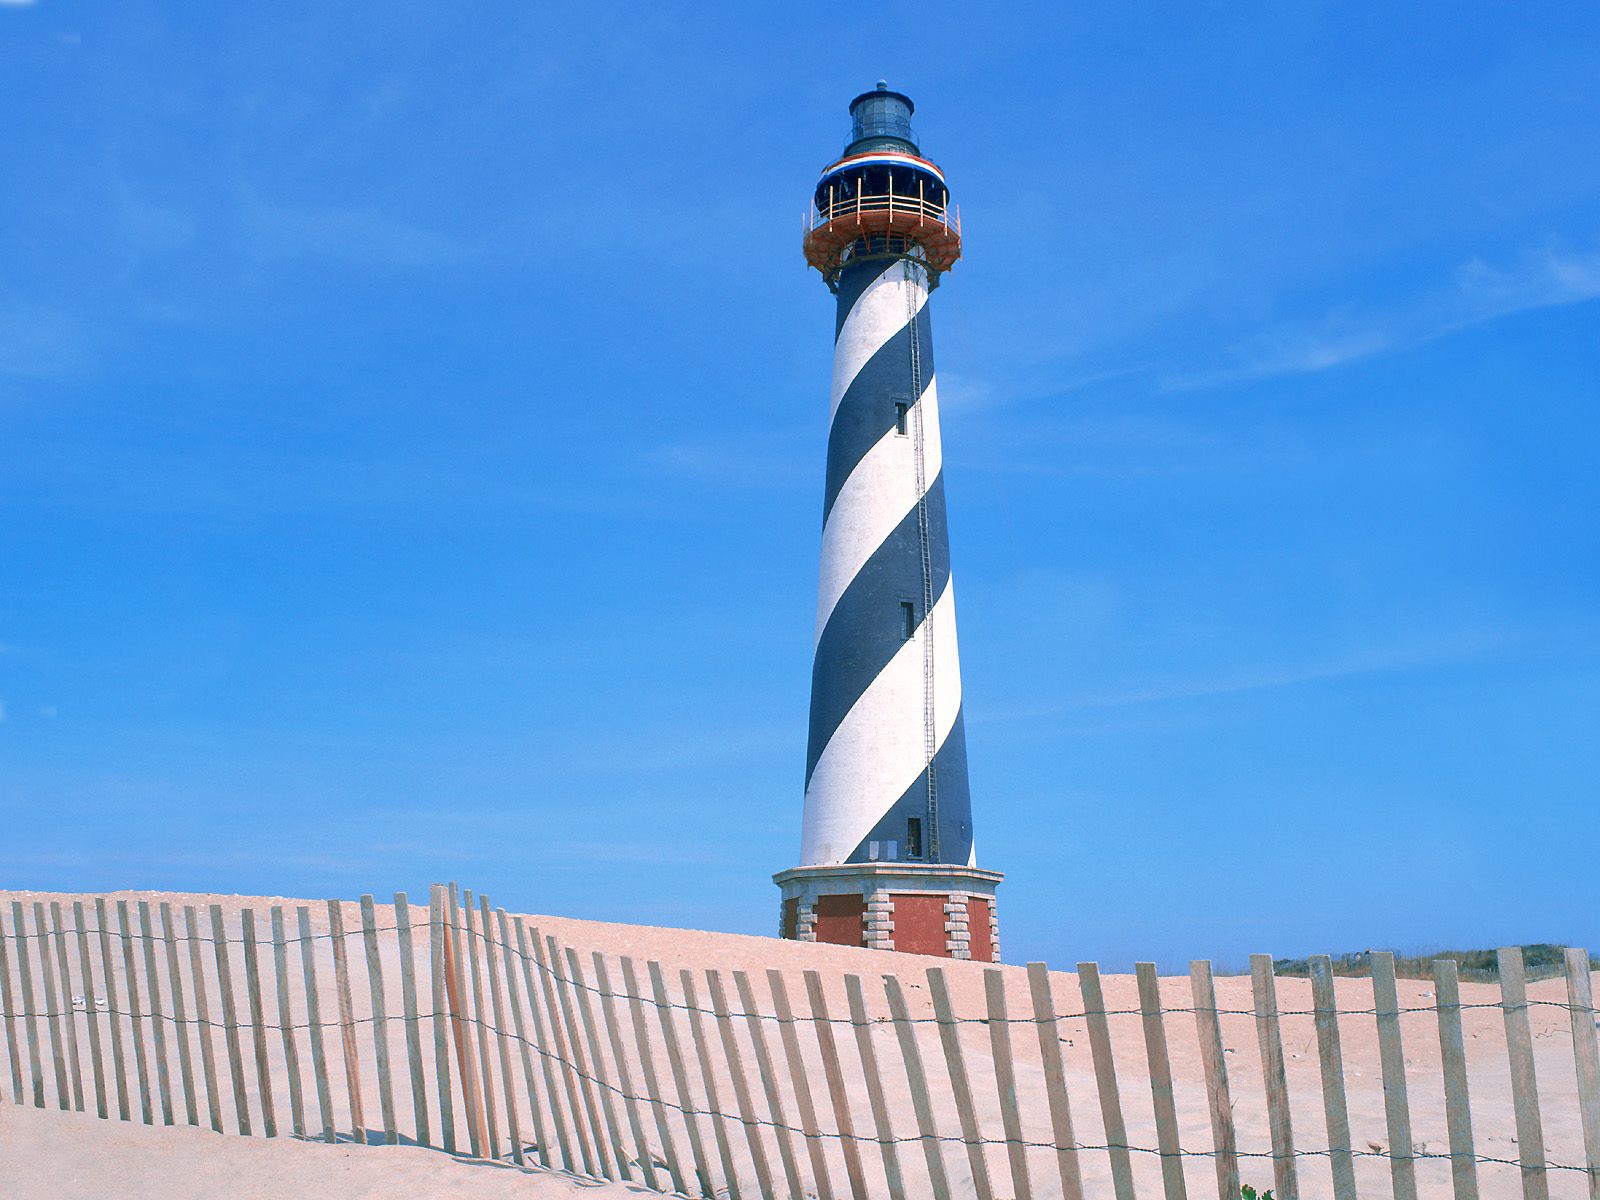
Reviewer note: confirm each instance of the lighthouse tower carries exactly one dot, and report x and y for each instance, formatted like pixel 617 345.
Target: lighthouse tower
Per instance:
pixel 886 849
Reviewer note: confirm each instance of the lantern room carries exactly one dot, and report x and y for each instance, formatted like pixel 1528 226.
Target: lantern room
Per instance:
pixel 882 198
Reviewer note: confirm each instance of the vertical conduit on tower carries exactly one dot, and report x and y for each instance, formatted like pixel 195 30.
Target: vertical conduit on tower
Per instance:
pixel 929 718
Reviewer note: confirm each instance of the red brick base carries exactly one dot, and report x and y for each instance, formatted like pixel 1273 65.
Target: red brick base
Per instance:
pixel 841 920
pixel 981 946
pixel 919 925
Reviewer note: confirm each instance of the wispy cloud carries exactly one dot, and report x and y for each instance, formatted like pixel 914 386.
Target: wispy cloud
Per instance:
pixel 554 854
pixel 1375 660
pixel 966 395
pixel 202 859
pixel 1477 293
pixel 279 230
pixel 142 227
pixel 732 464
pixel 37 342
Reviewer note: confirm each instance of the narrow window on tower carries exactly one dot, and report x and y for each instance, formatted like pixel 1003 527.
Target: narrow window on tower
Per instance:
pixel 913 837
pixel 908 616
pixel 901 408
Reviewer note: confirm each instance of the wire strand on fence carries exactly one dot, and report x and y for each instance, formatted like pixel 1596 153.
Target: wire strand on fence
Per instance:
pixel 864 1138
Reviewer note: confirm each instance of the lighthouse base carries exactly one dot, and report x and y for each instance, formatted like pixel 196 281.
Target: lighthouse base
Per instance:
pixel 916 908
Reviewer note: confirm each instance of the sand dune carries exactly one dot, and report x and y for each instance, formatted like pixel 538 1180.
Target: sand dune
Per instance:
pixel 51 1155
pixel 65 1151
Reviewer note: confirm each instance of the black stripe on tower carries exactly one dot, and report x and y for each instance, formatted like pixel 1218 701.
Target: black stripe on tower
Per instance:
pixel 954 807
pixel 867 626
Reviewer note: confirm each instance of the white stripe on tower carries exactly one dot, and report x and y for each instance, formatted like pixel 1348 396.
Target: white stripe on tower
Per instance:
pixel 878 753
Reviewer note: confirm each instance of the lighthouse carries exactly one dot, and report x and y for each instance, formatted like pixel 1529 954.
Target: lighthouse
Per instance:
pixel 887 857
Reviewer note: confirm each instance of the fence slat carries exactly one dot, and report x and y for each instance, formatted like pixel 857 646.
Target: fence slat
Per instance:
pixel 1047 1027
pixel 508 1083
pixel 652 1082
pixel 108 968
pixel 514 999
pixel 319 1058
pixel 573 1057
pixel 68 1009
pixel 153 986
pixel 950 1039
pixel 30 1009
pixel 487 1111
pixel 806 1103
pixel 882 1123
pixel 8 1003
pixel 1006 1082
pixel 708 1080
pixel 1105 1077
pixel 1524 1083
pixel 856 997
pixel 347 1020
pixel 230 1017
pixel 460 1018
pixel 52 1010
pixel 1392 1058
pixel 1330 1057
pixel 438 966
pixel 474 1101
pixel 680 1079
pixel 1155 1049
pixel 130 982
pixel 917 1084
pixel 558 1115
pixel 258 1022
pixel 597 1062
pixel 741 1084
pixel 558 1038
pixel 1586 1058
pixel 769 1084
pixel 619 1056
pixel 829 1048
pixel 1269 1037
pixel 90 1005
pixel 408 1008
pixel 380 1018
pixel 291 1047
pixel 202 1017
pixel 1453 1058
pixel 1214 1062
pixel 180 1013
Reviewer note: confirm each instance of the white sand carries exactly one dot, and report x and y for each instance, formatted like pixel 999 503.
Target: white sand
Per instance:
pixel 163 1155
pixel 50 1155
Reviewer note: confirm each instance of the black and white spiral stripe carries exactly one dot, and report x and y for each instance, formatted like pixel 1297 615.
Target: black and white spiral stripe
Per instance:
pixel 867 761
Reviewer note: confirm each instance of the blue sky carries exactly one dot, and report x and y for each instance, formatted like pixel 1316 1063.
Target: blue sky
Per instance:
pixel 412 423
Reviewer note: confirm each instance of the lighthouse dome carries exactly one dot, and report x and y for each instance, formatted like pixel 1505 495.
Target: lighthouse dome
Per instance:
pixel 881 120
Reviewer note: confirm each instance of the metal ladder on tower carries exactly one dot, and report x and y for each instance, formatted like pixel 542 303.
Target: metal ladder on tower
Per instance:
pixel 929 726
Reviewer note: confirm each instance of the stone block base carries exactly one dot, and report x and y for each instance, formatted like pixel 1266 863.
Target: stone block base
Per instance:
pixel 916 908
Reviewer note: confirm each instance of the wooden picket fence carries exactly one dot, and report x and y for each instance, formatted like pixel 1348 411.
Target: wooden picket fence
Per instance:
pixel 477 1035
